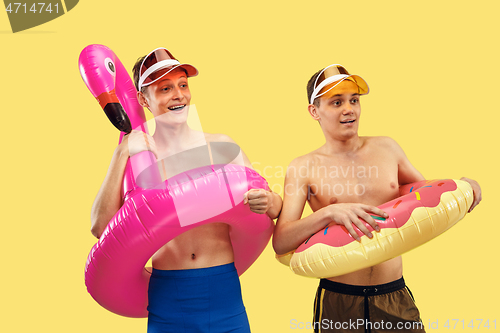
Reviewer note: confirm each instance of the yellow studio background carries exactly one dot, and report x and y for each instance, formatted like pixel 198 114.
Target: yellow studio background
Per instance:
pixel 432 67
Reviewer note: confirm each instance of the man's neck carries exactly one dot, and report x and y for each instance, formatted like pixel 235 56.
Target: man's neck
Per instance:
pixel 173 139
pixel 348 146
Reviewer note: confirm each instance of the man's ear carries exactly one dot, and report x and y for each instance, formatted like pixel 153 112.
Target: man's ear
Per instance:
pixel 142 99
pixel 313 111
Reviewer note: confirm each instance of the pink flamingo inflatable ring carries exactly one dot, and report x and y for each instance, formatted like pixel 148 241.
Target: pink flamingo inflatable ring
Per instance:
pixel 155 211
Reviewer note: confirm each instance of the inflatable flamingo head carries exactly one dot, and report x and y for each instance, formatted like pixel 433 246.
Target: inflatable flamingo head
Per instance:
pixel 98 69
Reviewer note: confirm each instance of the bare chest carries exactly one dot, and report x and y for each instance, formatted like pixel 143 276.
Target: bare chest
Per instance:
pixel 370 179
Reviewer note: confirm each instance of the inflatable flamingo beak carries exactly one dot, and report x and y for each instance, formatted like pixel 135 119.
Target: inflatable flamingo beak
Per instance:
pixel 118 117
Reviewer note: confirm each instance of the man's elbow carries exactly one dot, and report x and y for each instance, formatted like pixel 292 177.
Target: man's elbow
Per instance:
pixel 279 247
pixel 96 231
pixel 98 226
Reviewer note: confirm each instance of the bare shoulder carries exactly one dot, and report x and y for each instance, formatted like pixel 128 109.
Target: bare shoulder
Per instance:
pixel 384 142
pixel 303 160
pixel 389 146
pixel 300 166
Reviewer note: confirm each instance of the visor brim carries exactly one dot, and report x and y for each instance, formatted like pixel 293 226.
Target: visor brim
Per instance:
pixel 363 88
pixel 155 76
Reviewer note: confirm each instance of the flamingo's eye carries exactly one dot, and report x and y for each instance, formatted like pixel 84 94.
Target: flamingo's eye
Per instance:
pixel 110 66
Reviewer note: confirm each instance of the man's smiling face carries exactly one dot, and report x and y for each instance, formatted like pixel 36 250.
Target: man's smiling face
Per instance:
pixel 170 94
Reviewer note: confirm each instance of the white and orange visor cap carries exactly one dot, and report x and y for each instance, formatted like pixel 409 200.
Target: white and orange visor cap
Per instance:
pixel 331 76
pixel 159 63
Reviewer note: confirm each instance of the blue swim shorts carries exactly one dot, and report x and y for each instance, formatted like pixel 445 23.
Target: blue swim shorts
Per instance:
pixel 196 300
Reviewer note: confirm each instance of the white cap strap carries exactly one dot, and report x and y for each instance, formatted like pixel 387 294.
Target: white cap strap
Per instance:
pixel 324 83
pixel 154 68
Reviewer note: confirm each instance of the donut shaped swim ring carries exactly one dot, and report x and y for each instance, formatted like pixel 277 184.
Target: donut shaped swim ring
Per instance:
pixel 425 210
pixel 155 211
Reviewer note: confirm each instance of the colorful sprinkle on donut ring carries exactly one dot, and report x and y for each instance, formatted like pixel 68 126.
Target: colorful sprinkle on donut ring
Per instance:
pixel 425 210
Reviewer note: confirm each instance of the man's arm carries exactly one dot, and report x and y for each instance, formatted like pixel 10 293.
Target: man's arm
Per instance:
pixel 263 202
pixel 407 173
pixel 108 200
pixel 476 190
pixel 291 230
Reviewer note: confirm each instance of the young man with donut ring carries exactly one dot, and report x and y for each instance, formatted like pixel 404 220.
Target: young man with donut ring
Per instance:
pixel 194 286
pixel 373 294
